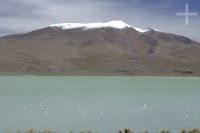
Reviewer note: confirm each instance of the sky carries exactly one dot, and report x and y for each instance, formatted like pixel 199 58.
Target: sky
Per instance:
pixel 19 16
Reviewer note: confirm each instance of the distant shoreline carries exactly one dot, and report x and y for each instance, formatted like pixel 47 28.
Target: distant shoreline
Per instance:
pixel 104 76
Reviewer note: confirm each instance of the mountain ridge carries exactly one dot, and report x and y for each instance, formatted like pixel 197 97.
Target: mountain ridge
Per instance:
pixel 100 50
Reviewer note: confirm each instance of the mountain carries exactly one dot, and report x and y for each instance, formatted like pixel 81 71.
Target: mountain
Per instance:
pixel 112 48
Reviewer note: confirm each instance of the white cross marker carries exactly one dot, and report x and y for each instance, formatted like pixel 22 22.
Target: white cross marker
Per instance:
pixel 186 14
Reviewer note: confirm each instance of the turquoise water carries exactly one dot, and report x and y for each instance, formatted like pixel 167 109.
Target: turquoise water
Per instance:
pixel 101 104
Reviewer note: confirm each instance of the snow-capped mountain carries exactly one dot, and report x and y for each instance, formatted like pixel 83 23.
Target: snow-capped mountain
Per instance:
pixel 118 24
pixel 112 48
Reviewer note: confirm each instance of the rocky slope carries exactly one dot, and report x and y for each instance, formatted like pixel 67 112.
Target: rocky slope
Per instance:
pixel 112 48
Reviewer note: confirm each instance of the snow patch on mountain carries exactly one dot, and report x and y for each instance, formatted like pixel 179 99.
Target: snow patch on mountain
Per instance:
pixel 118 24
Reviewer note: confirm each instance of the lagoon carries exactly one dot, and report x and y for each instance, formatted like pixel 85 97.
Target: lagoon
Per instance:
pixel 101 104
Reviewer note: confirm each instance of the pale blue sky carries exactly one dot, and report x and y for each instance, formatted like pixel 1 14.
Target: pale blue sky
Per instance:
pixel 18 16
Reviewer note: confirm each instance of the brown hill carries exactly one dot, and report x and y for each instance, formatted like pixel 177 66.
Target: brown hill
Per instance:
pixel 98 51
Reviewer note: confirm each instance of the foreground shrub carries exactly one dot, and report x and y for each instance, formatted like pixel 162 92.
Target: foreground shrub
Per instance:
pixel 120 131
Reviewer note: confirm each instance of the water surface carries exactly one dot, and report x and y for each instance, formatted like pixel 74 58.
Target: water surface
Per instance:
pixel 99 103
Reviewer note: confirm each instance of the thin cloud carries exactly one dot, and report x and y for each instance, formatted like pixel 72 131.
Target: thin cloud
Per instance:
pixel 18 16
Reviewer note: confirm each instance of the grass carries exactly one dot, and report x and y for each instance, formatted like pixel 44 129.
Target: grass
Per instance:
pixel 120 131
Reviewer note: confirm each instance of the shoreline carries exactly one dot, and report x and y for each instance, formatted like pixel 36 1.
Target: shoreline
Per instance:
pixel 195 130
